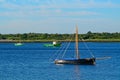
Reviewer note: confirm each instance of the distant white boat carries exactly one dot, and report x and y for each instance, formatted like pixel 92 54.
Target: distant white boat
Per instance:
pixel 18 44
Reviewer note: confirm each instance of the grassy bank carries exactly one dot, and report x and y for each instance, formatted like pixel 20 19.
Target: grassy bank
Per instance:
pixel 103 40
pixel 87 40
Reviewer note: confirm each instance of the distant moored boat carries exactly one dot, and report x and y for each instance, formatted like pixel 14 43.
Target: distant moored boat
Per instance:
pixel 54 44
pixel 18 44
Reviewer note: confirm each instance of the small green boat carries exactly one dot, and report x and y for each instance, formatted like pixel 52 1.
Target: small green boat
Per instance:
pixel 55 44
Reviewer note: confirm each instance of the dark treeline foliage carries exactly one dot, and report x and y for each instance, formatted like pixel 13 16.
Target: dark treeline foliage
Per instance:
pixel 46 36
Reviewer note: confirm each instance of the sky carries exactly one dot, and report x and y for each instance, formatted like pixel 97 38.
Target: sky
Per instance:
pixel 59 16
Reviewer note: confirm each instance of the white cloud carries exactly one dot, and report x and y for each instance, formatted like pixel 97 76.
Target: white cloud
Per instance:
pixel 53 13
pixel 57 4
pixel 46 13
pixel 2 0
pixel 53 8
pixel 83 13
pixel 61 25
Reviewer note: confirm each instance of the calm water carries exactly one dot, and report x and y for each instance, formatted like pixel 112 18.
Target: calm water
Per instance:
pixel 33 61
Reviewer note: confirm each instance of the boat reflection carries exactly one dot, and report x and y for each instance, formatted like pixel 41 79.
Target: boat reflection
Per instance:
pixel 77 73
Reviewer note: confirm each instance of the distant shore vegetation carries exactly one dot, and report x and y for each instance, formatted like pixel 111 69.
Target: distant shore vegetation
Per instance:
pixel 44 37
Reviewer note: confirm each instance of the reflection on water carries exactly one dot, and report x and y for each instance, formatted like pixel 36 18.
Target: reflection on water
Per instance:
pixel 77 72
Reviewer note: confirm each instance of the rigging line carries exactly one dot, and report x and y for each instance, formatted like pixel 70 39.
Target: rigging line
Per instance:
pixel 55 53
pixel 88 48
pixel 61 50
pixel 67 46
pixel 72 35
pixel 66 49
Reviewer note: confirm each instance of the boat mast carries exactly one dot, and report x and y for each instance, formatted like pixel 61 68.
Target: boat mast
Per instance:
pixel 77 51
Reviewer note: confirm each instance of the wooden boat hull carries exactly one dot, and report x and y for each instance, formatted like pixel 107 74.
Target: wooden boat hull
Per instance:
pixel 87 61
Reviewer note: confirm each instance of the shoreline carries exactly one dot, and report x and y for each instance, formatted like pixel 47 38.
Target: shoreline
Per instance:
pixel 30 41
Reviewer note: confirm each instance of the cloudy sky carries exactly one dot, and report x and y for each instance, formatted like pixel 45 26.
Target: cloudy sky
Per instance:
pixel 59 16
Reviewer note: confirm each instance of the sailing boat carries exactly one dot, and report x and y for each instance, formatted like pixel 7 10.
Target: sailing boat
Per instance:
pixel 77 60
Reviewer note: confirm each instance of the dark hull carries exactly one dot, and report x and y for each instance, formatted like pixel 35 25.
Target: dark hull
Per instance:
pixel 87 61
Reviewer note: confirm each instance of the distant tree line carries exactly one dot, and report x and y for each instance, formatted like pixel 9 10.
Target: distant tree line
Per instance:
pixel 46 36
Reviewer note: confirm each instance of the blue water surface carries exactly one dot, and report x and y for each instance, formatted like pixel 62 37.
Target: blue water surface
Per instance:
pixel 33 61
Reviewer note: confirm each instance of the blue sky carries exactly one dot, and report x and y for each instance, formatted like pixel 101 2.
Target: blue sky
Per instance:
pixel 59 16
